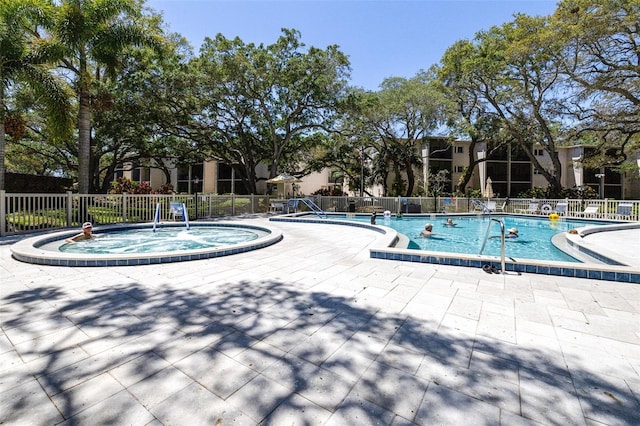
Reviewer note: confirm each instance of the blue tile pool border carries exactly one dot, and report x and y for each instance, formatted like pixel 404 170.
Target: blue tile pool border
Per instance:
pixel 521 266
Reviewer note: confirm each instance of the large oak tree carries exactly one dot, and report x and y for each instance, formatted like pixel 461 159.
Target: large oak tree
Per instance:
pixel 266 103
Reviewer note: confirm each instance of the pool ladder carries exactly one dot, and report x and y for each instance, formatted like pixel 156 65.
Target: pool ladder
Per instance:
pixel 292 204
pixel 177 209
pixel 486 237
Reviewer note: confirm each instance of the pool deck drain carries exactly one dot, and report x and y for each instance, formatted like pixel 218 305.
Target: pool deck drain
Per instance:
pixel 311 330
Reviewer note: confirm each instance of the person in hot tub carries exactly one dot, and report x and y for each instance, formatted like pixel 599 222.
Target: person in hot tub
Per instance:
pixel 84 235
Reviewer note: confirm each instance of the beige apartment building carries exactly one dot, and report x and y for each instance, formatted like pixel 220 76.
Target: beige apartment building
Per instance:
pixel 510 170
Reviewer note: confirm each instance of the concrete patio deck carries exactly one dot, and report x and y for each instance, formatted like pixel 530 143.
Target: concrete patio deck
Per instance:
pixel 312 331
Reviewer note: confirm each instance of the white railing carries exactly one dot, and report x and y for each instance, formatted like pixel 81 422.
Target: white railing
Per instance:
pixel 31 212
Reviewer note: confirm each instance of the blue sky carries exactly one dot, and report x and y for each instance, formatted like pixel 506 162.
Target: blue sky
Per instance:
pixel 382 38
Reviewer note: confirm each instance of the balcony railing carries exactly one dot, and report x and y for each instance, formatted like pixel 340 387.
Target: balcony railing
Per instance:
pixel 20 213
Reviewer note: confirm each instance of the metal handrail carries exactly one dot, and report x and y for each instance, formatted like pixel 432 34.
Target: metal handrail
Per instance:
pixel 502 248
pixel 310 204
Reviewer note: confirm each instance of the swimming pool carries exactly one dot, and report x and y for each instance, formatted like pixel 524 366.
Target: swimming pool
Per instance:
pixel 469 232
pixel 392 245
pixel 139 244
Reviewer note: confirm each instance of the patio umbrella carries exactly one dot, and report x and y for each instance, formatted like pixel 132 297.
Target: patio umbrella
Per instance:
pixel 488 192
pixel 283 179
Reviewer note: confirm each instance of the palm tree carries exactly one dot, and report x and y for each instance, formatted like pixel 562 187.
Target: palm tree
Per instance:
pixel 90 37
pixel 19 63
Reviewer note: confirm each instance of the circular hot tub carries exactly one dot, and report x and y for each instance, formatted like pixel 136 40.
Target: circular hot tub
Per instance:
pixel 125 245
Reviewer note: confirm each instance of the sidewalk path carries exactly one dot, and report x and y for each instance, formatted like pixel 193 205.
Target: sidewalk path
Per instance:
pixel 313 331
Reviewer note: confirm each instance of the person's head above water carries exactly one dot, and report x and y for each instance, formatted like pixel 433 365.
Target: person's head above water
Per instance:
pixel 85 235
pixel 87 227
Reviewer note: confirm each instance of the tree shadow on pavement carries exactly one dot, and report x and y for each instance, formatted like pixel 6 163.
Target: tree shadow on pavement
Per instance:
pixel 271 352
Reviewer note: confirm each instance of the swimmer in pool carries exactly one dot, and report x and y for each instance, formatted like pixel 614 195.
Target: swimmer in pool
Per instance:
pixel 449 222
pixel 511 233
pixel 428 230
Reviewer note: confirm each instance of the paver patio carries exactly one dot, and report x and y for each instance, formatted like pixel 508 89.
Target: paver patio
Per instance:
pixel 313 331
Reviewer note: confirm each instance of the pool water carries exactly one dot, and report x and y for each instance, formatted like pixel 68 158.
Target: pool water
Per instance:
pixel 162 240
pixel 534 241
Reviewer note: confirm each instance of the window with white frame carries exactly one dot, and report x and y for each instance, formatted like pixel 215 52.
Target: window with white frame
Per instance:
pixel 538 152
pixel 459 149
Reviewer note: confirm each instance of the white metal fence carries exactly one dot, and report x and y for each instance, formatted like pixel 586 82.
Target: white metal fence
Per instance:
pixel 607 209
pixel 30 212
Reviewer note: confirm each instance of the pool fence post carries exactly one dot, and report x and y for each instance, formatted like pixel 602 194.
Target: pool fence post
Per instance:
pixel 3 213
pixel 69 209
pixel 195 199
pixel 124 207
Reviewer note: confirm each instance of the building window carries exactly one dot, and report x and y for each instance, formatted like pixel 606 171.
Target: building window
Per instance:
pixel 519 154
pixel 436 165
pixel 228 182
pixel 458 169
pixel 538 152
pixel 459 150
pixel 118 173
pixel 520 172
pixel 497 171
pixel 190 179
pixel 141 174
pixel 440 149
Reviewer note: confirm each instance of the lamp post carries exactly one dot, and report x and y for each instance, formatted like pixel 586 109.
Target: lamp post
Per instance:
pixel 425 168
pixel 601 183
pixel 196 181
pixel 361 171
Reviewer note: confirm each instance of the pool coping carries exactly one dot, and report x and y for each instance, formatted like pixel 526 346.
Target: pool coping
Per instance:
pixel 582 245
pixel 384 248
pixel 28 250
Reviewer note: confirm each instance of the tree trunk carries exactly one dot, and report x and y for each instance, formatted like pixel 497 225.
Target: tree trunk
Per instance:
pixel 468 172
pixel 3 141
pixel 84 141
pixel 411 179
pixel 248 176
